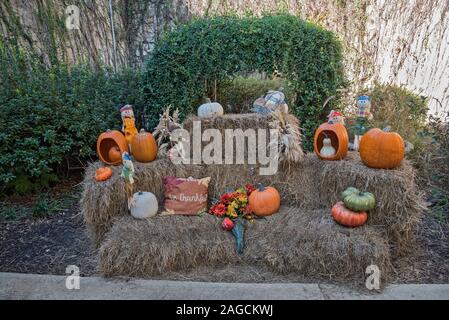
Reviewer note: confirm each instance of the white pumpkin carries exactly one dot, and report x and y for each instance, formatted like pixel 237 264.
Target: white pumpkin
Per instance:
pixel 210 109
pixel 144 205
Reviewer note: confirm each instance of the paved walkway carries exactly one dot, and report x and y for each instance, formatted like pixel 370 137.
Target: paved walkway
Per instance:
pixel 31 286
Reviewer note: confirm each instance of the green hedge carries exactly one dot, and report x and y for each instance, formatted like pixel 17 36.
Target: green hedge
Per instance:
pixel 188 60
pixel 51 116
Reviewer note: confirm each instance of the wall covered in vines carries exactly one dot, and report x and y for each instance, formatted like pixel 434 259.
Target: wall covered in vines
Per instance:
pixel 399 42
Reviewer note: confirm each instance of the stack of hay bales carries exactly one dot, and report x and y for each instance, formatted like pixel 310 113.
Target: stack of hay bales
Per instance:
pixel 302 238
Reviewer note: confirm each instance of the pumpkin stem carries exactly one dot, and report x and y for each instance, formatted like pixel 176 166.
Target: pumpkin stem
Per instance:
pixel 261 187
pixel 142 130
pixel 207 100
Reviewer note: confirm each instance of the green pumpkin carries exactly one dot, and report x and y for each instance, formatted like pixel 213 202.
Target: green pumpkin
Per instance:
pixel 360 201
pixel 348 192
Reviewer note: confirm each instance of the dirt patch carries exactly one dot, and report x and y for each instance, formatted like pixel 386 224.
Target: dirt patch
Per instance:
pixel 46 246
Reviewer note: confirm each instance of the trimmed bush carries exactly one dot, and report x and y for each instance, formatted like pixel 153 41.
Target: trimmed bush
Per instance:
pixel 186 63
pixel 51 116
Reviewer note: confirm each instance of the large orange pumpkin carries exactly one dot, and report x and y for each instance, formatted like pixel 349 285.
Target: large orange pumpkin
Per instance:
pixel 381 149
pixel 264 201
pixel 338 136
pixel 144 147
pixel 111 140
pixel 346 217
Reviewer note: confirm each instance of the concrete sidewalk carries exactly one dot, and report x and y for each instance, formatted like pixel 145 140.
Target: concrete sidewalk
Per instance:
pixel 31 286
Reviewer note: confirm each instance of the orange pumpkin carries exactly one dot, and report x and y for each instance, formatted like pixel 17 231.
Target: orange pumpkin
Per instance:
pixel 103 173
pixel 111 140
pixel 264 201
pixel 381 149
pixel 144 147
pixel 338 136
pixel 114 154
pixel 346 217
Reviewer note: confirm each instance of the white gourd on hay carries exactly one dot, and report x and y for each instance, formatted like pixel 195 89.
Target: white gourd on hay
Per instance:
pixel 144 205
pixel 210 109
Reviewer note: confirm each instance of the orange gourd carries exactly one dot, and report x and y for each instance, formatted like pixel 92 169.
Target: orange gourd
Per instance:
pixel 338 136
pixel 346 217
pixel 103 173
pixel 264 201
pixel 144 147
pixel 382 149
pixel 109 140
pixel 114 154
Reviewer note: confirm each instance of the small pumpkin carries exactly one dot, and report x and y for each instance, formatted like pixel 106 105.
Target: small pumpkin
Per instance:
pixel 360 201
pixel 114 154
pixel 103 173
pixel 382 149
pixel 265 201
pixel 144 147
pixel 346 217
pixel 144 205
pixel 339 140
pixel 347 192
pixel 210 109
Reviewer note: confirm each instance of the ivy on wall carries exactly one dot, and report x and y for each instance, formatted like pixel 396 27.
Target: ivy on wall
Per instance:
pixel 217 49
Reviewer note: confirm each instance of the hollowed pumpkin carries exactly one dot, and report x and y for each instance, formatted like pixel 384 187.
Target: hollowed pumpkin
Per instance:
pixel 338 136
pixel 111 140
pixel 144 147
pixel 381 149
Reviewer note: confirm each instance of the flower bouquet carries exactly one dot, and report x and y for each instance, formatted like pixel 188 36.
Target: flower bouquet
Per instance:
pixel 234 208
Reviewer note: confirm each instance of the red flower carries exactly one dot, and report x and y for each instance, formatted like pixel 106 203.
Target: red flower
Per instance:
pixel 249 188
pixel 247 210
pixel 227 224
pixel 218 209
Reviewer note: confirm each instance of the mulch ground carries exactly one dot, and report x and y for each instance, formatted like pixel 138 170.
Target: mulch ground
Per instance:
pixel 49 245
pixel 46 246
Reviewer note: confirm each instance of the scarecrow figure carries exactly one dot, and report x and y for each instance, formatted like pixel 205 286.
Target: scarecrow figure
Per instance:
pixel 129 123
pixel 363 115
pixel 335 117
pixel 128 173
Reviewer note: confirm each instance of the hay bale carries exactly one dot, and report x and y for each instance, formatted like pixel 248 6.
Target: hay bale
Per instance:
pixel 292 241
pixel 312 184
pixel 102 202
pixel 287 124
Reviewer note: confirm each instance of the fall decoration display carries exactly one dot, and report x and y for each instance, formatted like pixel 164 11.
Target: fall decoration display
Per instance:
pixel 129 123
pixel 162 133
pixel 143 205
pixel 103 173
pixel 338 136
pixel 346 217
pixel 210 109
pixel 382 149
pixel 235 210
pixel 111 140
pixel 144 146
pixel 264 201
pixel 360 201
